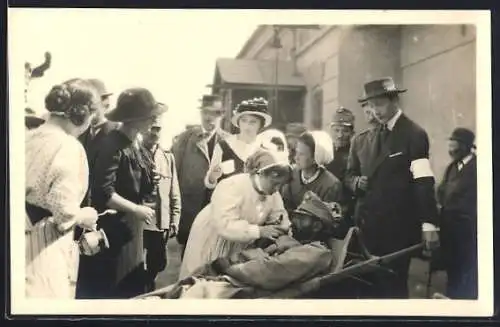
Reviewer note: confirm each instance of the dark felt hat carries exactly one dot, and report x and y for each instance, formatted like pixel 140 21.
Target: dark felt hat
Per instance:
pixel 380 87
pixel 31 119
pixel 463 135
pixel 255 106
pixel 100 86
pixel 212 102
pixel 343 117
pixel 135 104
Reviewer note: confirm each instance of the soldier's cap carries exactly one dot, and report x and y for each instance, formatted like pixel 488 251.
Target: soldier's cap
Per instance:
pixel 343 117
pixel 313 206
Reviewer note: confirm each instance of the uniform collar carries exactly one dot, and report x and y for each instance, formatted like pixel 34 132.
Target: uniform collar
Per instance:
pixel 392 122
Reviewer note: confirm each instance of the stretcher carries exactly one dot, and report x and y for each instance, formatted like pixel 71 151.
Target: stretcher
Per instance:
pixel 353 263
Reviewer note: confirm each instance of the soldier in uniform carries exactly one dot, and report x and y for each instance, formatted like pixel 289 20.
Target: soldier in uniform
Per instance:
pixel 193 152
pixel 342 130
pixel 390 173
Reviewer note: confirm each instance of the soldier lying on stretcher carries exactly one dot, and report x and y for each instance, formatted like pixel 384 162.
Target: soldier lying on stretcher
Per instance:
pixel 270 266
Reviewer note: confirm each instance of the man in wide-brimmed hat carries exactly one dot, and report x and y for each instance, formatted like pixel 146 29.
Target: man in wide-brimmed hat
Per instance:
pixel 193 151
pixel 394 184
pixel 457 196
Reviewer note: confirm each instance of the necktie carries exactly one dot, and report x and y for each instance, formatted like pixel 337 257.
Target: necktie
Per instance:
pixel 382 137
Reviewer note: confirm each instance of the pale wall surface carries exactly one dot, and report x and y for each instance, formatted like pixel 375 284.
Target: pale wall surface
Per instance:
pixel 436 63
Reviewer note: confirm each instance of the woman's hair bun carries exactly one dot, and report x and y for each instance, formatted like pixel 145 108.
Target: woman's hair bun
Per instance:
pixel 75 99
pixel 58 99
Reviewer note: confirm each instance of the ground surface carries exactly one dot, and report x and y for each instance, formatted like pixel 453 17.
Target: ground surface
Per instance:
pixel 417 280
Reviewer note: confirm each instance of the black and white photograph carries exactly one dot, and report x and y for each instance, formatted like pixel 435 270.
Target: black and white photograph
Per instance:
pixel 174 156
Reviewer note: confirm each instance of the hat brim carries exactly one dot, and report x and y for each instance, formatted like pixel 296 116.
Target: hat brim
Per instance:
pixel 381 94
pixel 211 108
pixel 341 124
pixel 267 118
pixel 107 94
pixel 115 116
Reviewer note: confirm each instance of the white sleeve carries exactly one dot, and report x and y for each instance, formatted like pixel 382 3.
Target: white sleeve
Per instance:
pixel 216 160
pixel 69 183
pixel 226 213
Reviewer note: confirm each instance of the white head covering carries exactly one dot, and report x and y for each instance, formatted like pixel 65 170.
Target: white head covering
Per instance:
pixel 264 140
pixel 323 147
pixel 264 158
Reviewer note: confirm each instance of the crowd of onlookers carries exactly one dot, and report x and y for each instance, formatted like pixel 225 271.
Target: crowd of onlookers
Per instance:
pixel 103 196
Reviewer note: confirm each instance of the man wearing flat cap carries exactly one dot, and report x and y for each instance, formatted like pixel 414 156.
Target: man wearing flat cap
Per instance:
pixel 392 178
pixel 193 151
pixel 457 196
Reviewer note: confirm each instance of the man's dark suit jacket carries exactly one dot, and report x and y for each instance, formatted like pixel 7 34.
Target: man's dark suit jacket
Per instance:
pixel 391 212
pixel 91 145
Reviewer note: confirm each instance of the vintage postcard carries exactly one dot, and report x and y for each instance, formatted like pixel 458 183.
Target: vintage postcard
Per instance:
pixel 181 162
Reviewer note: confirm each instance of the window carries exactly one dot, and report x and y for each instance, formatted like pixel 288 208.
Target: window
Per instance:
pixel 317 109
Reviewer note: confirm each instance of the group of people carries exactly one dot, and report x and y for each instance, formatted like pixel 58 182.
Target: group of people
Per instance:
pixel 103 197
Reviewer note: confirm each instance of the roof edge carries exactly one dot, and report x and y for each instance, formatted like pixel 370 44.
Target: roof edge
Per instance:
pixel 249 41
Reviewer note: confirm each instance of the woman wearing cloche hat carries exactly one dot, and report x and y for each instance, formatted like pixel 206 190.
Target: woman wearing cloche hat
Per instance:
pixel 229 155
pixel 122 176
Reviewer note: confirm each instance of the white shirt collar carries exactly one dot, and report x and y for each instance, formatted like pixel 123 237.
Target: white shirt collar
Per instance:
pixel 210 134
pixel 467 159
pixel 392 122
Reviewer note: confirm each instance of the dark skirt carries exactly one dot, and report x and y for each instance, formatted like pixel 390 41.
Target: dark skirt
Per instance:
pixel 118 272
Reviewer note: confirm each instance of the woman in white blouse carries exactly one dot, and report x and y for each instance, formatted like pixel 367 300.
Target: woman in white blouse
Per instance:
pixel 56 182
pixel 244 207
pixel 231 153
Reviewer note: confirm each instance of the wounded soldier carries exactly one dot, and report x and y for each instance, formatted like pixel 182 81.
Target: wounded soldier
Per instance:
pixel 267 266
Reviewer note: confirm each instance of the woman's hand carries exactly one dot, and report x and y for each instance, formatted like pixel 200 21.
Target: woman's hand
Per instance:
pixel 87 218
pixel 215 174
pixel 144 213
pixel 271 232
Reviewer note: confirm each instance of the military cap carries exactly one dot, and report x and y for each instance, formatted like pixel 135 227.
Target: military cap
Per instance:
pixel 343 116
pixel 312 205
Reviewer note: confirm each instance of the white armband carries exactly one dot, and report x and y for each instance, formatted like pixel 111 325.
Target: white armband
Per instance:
pixel 428 227
pixel 421 168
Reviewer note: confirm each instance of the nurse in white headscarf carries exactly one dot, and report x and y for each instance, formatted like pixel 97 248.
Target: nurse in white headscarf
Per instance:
pixel 314 150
